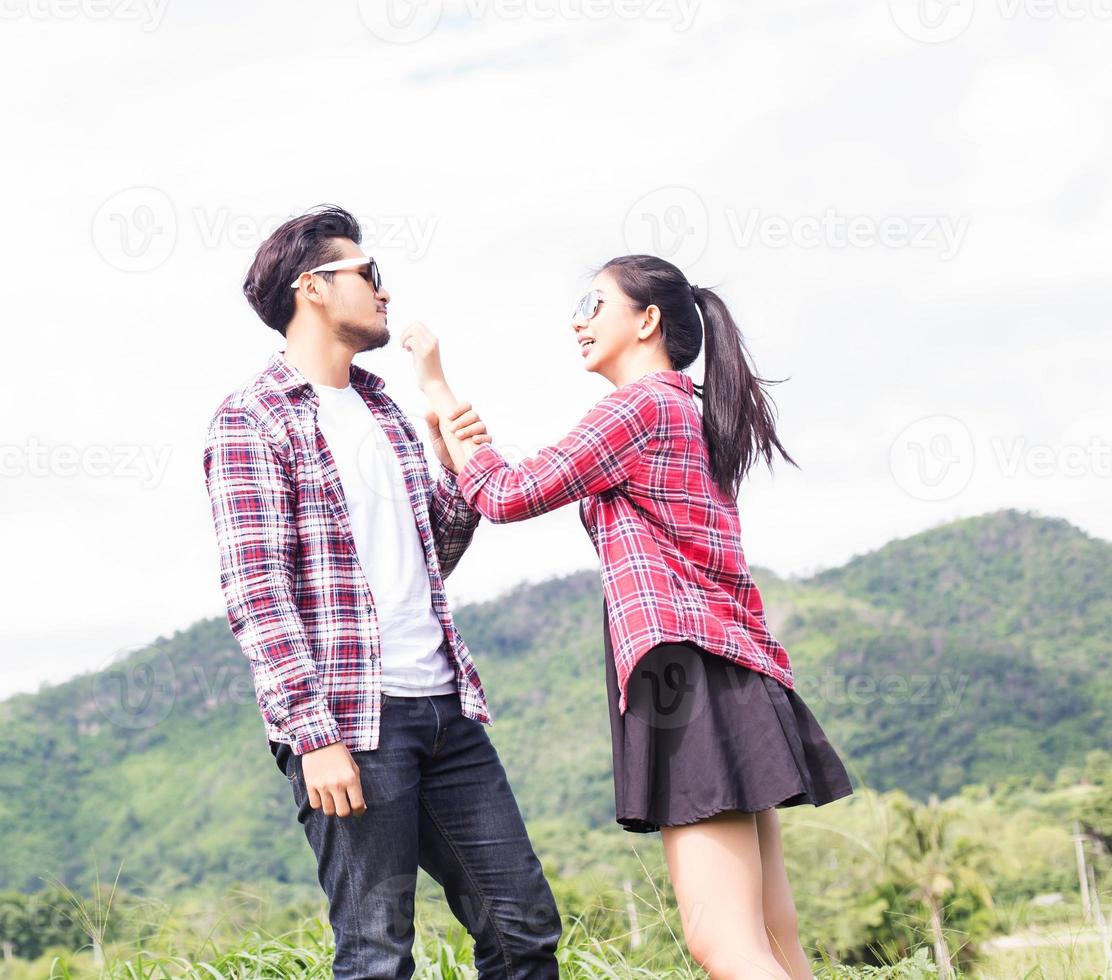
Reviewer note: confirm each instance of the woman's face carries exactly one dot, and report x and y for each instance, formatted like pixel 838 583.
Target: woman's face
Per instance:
pixel 613 332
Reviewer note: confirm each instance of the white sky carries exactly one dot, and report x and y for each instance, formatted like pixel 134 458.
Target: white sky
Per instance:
pixel 498 156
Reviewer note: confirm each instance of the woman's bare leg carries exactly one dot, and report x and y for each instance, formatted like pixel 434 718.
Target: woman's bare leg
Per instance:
pixel 715 866
pixel 779 906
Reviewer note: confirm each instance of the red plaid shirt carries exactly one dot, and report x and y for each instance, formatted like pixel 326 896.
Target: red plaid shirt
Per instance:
pixel 669 541
pixel 298 601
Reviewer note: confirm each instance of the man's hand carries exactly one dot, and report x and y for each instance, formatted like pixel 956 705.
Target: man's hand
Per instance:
pixel 465 423
pixel 420 341
pixel 332 781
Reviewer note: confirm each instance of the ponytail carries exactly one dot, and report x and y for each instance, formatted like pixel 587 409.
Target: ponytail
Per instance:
pixel 738 416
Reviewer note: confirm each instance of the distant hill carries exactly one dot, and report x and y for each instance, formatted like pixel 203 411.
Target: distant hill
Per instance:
pixel 1011 610
pixel 971 652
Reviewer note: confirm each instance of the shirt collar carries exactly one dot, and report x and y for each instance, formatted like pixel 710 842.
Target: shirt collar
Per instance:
pixel 288 379
pixel 677 379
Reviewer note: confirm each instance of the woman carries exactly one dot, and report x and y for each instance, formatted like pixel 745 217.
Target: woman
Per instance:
pixel 709 736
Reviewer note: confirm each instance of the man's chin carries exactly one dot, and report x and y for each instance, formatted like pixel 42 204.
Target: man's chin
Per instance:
pixel 380 338
pixel 366 338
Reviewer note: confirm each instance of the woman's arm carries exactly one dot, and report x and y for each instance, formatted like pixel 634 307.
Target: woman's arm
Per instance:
pixel 602 451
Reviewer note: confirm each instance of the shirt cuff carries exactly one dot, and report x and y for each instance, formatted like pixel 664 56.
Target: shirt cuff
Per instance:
pixel 312 730
pixel 484 461
pixel 448 478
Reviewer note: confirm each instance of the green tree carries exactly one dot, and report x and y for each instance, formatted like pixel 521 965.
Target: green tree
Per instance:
pixel 932 864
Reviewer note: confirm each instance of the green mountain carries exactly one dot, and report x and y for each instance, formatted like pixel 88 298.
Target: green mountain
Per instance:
pixel 972 652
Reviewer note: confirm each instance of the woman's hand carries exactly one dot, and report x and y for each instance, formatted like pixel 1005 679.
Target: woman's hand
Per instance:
pixel 464 423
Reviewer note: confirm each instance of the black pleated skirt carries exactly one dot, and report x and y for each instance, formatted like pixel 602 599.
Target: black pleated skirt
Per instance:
pixel 702 734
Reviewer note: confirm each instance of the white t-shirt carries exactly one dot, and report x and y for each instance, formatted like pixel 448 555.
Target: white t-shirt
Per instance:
pixel 414 659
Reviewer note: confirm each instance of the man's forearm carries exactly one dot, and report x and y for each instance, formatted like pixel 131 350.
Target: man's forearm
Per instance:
pixel 288 688
pixel 252 499
pixel 444 403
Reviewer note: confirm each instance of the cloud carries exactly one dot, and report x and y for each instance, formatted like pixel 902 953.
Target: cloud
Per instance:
pixel 501 157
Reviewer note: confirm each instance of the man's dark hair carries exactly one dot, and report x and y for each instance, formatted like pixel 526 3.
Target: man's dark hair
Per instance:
pixel 299 244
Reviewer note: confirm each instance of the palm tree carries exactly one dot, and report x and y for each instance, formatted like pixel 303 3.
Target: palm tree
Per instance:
pixel 930 862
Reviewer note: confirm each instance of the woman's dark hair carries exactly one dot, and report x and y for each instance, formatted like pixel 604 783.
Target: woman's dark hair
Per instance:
pixel 738 415
pixel 299 244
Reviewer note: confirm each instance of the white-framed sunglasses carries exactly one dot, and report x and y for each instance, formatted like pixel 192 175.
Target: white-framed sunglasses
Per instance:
pixel 372 275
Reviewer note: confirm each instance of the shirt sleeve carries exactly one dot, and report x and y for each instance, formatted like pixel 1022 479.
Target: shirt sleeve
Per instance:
pixel 453 521
pixel 252 500
pixel 601 452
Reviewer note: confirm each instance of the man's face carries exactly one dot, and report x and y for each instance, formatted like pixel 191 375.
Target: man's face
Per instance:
pixel 358 314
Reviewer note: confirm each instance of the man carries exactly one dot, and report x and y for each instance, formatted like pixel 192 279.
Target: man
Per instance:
pixel 334 544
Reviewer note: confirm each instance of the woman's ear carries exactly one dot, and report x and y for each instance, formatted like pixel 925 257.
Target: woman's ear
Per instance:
pixel 650 323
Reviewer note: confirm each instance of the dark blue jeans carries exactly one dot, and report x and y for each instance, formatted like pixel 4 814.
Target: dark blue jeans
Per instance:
pixel 437 797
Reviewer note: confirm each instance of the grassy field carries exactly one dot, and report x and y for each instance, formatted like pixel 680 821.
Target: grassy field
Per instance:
pixel 226 940
pixel 306 953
